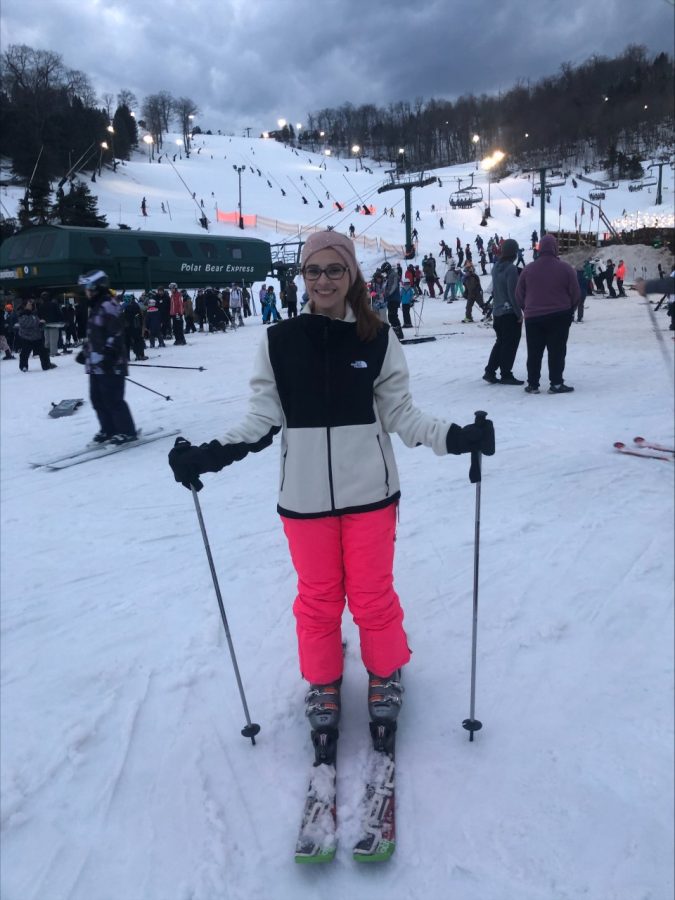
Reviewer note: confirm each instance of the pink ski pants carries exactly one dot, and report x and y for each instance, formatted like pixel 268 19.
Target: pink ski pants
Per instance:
pixel 352 556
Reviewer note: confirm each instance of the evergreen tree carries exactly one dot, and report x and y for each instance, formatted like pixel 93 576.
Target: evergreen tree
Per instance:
pixel 125 134
pixel 34 206
pixel 77 207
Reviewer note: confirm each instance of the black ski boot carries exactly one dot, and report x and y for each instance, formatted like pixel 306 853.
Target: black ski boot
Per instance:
pixel 323 711
pixel 385 696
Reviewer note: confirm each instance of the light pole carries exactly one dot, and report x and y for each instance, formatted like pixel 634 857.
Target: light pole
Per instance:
pixel 356 150
pixel 104 146
pixel 475 139
pixel 112 145
pixel 239 170
pixel 148 141
pixel 401 156
pixel 488 164
pixel 189 135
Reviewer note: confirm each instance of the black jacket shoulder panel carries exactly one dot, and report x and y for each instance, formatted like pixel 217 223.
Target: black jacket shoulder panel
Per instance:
pixel 324 373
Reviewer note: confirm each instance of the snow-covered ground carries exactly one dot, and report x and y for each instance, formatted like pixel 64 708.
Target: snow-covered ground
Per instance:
pixel 124 776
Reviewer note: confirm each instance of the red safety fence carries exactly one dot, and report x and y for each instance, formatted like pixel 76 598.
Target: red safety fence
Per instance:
pixel 233 217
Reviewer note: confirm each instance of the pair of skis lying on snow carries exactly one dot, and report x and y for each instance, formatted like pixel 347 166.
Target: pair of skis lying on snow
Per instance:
pixel 647 449
pixel 317 840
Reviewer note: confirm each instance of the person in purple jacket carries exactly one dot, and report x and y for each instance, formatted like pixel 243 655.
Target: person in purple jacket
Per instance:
pixel 548 294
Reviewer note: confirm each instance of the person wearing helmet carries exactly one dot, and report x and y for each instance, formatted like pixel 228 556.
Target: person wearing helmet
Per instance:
pixel 335 382
pixel 104 358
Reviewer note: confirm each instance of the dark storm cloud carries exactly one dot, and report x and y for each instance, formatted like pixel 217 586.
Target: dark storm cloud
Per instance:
pixel 247 62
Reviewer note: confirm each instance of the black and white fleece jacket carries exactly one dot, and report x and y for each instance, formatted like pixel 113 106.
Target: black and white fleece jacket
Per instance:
pixel 335 400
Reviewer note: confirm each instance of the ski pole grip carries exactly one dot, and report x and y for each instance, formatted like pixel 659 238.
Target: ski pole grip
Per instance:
pixel 476 456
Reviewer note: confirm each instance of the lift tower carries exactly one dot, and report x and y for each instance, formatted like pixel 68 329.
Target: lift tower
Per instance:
pixel 406 185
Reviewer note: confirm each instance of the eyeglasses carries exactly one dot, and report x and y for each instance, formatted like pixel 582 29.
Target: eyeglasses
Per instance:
pixel 335 272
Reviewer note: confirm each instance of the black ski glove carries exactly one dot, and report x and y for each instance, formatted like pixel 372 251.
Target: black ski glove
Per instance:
pixel 189 462
pixel 479 436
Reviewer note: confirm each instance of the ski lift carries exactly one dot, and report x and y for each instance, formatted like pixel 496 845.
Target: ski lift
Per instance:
pixel 640 185
pixel 465 198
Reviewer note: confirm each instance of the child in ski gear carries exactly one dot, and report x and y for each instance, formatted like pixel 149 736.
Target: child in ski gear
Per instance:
pixel 105 360
pixel 31 338
pixel 153 322
pixel 407 294
pixel 269 307
pixel 335 382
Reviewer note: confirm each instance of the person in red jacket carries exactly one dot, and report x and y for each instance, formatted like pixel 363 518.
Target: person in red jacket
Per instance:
pixel 548 293
pixel 176 310
pixel 620 277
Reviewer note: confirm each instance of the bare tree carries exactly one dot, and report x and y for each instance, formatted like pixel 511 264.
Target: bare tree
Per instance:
pixel 152 117
pixel 165 103
pixel 185 110
pixel 127 98
pixel 108 100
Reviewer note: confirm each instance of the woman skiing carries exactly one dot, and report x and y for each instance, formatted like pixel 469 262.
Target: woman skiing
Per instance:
pixel 334 381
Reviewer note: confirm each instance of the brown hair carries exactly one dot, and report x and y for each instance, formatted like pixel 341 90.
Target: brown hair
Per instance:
pixel 368 323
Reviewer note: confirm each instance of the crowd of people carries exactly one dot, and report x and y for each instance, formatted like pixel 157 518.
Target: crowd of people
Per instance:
pixel 548 295
pixel 49 325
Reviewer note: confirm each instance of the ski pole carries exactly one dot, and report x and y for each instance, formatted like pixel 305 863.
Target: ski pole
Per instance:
pixel 152 391
pixel 156 366
pixel 472 723
pixel 251 728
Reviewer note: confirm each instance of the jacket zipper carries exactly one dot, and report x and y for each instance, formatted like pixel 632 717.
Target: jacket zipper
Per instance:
pixel 283 472
pixel 384 462
pixel 328 446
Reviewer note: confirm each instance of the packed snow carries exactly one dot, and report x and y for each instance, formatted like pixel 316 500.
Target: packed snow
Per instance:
pixel 124 774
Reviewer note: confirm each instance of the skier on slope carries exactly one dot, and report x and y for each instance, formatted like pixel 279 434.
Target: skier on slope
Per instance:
pixel 104 357
pixel 339 487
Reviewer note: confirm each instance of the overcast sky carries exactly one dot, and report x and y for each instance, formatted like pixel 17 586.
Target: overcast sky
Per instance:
pixel 249 62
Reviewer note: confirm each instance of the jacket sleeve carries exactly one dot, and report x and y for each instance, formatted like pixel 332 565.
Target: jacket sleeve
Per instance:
pixel 395 406
pixel 511 283
pixel 575 293
pixel 520 289
pixel 265 416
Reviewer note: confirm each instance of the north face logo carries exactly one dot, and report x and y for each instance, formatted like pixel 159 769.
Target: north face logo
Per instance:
pixel 359 364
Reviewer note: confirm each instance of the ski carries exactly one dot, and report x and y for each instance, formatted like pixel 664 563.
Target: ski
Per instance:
pixel 378 831
pixel 645 454
pixel 643 442
pixel 91 453
pixel 317 838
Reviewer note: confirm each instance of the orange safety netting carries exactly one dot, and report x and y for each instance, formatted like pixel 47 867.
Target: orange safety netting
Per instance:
pixel 249 221
pixel 370 210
